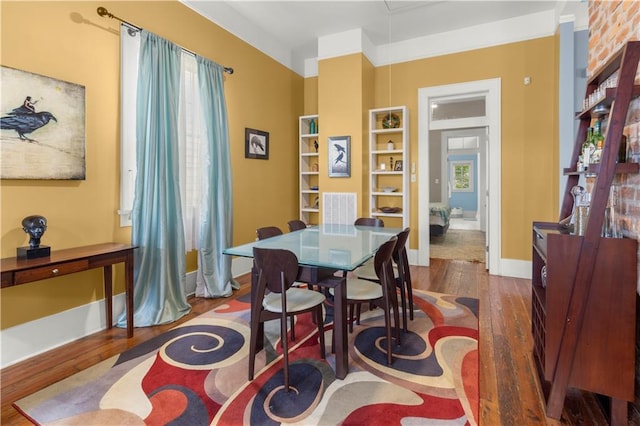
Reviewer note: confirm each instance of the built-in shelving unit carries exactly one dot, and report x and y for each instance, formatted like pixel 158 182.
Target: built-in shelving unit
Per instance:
pixel 309 169
pixel 389 165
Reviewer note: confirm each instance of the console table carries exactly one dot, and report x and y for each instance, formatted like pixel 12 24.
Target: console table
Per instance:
pixel 16 271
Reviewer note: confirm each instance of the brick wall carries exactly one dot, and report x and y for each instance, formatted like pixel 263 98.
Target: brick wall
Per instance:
pixel 611 24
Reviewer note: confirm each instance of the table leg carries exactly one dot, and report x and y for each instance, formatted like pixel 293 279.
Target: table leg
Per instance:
pixel 340 328
pixel 128 279
pixel 108 294
pixel 254 285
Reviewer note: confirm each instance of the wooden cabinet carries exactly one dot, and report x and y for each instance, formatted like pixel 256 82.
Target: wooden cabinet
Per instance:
pixel 389 165
pixel 309 194
pixel 583 311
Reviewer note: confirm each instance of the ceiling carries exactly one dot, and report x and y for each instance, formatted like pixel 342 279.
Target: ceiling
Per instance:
pixel 295 26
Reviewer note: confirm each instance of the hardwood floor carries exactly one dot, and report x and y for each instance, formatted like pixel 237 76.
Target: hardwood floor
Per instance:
pixel 509 393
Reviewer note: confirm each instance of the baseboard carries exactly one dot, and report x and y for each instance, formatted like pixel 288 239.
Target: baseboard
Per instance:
pixel 515 268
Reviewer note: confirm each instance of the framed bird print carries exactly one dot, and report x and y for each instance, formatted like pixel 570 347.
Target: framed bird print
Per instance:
pixel 256 144
pixel 339 156
pixel 42 122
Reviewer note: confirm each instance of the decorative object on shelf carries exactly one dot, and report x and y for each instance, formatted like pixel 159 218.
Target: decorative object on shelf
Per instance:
pixel 34 120
pixel 314 167
pixel 390 145
pixel 256 144
pixel 316 203
pixel 391 121
pixel 383 166
pixel 313 127
pixel 390 209
pixel 577 192
pixel 339 156
pixel 35 226
pixel 390 163
pixel 398 166
pixel 315 145
pixel 389 189
pixel 314 188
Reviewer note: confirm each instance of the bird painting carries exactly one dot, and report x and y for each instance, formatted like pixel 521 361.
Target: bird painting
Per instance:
pixel 25 120
pixel 341 151
pixel 256 144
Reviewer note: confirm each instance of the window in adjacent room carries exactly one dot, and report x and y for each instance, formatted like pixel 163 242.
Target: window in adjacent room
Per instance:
pixel 462 176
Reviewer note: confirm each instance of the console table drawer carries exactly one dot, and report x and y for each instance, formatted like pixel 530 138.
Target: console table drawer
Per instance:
pixel 50 271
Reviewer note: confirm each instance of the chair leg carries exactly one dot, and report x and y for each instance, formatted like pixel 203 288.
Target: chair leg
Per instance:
pixel 285 350
pixel 253 343
pixel 403 303
pixel 318 318
pixel 387 324
pixel 351 317
pixel 410 297
pixel 293 329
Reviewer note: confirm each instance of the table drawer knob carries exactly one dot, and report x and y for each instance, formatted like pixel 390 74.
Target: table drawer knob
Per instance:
pixel 55 271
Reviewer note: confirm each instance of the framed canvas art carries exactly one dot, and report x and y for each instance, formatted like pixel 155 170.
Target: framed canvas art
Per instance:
pixel 256 144
pixel 339 156
pixel 42 127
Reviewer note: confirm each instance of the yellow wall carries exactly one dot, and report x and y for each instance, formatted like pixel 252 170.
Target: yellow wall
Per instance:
pixel 69 41
pixel 529 126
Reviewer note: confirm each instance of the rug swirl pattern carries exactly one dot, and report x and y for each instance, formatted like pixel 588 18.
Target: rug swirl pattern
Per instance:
pixel 196 374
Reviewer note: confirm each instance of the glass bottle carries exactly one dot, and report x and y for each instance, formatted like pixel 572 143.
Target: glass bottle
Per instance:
pixel 587 148
pixel 312 127
pixel 598 140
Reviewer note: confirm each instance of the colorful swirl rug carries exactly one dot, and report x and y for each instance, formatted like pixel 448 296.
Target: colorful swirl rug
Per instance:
pixel 196 374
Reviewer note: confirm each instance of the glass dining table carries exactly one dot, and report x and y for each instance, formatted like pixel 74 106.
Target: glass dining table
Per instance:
pixel 322 251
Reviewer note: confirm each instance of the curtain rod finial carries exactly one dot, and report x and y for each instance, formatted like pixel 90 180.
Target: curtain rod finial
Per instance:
pixel 103 12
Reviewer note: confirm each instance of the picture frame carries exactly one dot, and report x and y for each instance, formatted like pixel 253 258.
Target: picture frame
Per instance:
pixel 339 150
pixel 256 144
pixel 397 167
pixel 43 127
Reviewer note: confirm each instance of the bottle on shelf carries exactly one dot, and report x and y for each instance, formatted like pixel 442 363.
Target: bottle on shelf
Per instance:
pixel 587 149
pixel 598 141
pixel 313 127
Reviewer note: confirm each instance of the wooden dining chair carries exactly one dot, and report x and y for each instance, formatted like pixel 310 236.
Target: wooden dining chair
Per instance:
pixel 402 275
pixel 369 221
pixel 382 295
pixel 274 298
pixel 296 225
pixel 268 232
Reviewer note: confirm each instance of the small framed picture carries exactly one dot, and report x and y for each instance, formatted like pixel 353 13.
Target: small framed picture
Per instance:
pixel 339 156
pixel 256 144
pixel 398 166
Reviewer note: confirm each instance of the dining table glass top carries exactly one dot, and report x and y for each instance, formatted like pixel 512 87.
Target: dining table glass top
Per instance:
pixel 343 247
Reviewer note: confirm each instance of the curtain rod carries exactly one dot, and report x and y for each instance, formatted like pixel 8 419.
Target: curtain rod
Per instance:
pixel 104 12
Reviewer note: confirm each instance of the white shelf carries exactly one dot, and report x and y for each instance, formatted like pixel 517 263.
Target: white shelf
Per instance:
pixel 380 153
pixel 308 169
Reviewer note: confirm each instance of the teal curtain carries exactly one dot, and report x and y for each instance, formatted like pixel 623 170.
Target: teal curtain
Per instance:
pixel 157 229
pixel 214 269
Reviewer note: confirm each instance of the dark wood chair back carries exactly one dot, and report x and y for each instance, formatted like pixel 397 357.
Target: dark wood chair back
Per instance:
pixel 277 269
pixel 369 221
pixel 268 232
pixel 296 225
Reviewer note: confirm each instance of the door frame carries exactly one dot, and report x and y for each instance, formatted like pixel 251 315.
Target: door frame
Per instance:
pixel 490 89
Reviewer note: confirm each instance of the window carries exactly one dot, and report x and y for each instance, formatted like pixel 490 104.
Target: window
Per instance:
pixel 462 176
pixel 192 136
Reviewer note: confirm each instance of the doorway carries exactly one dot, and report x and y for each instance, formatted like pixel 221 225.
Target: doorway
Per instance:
pixel 462 153
pixel 472 105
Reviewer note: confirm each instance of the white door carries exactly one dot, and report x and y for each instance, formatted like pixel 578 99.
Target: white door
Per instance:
pixel 487 94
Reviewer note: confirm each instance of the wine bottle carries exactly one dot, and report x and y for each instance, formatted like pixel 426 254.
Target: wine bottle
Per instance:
pixel 598 141
pixel 587 148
